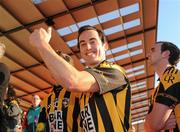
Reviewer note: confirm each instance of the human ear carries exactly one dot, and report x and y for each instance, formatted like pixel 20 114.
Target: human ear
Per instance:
pixel 165 54
pixel 106 46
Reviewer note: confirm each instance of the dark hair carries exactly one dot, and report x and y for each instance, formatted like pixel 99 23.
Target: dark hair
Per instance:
pixel 88 27
pixel 174 51
pixel 11 94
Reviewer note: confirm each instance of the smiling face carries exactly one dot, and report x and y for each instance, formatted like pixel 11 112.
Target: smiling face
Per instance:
pixel 92 48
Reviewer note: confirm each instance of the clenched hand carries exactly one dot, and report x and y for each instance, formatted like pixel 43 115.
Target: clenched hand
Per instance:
pixel 40 37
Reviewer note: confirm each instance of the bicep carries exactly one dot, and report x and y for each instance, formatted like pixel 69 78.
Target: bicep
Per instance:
pixel 100 80
pixel 86 83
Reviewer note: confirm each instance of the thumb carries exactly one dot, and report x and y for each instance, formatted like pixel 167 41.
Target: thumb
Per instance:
pixel 49 30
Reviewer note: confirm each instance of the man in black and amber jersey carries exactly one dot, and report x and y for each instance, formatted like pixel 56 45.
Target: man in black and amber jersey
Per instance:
pixel 164 112
pixel 105 104
pixel 60 112
pixel 60 109
pixel 108 108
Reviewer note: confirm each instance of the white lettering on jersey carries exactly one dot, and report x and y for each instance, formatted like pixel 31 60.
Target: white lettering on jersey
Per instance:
pixel 56 121
pixel 87 120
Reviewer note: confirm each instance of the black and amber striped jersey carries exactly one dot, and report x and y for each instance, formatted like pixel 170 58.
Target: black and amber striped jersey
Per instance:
pixel 60 112
pixel 168 93
pixel 109 109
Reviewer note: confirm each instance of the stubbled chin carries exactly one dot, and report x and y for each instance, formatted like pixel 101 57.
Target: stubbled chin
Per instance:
pixel 91 59
pixel 92 63
pixel 92 56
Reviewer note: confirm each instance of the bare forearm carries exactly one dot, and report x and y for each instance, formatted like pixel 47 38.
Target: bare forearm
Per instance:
pixel 154 124
pixel 147 126
pixel 63 72
pixel 157 118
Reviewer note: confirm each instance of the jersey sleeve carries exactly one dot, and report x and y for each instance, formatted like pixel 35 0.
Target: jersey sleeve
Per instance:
pixel 171 84
pixel 109 77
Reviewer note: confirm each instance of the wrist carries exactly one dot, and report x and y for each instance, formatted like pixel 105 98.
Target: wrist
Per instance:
pixel 42 44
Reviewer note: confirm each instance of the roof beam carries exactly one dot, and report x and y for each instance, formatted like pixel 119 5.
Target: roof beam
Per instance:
pixel 34 92
pixel 140 112
pixel 145 105
pixel 133 34
pixel 141 91
pixel 42 63
pixel 140 100
pixel 46 19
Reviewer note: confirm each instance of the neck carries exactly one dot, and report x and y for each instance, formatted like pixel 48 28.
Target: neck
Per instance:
pixel 161 67
pixel 93 65
pixel 35 106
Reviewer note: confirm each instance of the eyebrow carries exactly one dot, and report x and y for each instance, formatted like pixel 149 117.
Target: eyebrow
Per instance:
pixel 89 39
pixel 92 38
pixel 81 41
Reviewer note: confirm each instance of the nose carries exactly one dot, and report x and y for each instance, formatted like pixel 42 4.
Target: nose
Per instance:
pixel 148 55
pixel 88 46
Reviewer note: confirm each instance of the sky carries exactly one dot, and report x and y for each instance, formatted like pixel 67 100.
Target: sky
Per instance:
pixel 169 21
pixel 168 24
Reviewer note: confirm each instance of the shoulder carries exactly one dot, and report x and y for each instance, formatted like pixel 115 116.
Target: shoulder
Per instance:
pixel 111 65
pixel 170 77
pixel 30 109
pixel 171 71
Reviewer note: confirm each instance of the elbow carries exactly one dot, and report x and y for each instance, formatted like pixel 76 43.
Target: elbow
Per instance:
pixel 70 84
pixel 73 85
